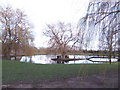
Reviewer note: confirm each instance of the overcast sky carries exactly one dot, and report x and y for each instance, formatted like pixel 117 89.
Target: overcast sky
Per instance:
pixel 42 12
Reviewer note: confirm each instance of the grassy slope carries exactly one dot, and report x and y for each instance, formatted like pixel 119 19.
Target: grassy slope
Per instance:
pixel 14 71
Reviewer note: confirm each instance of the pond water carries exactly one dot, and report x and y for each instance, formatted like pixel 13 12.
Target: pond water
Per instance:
pixel 46 59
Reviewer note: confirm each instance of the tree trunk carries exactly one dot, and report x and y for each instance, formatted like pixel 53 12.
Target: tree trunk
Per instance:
pixel 8 56
pixel 63 56
pixel 15 57
pixel 118 50
pixel 110 59
pixel 8 53
pixel 30 59
pixel 15 52
pixel 110 53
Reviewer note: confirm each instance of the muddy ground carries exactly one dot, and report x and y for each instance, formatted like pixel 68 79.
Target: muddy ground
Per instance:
pixel 109 80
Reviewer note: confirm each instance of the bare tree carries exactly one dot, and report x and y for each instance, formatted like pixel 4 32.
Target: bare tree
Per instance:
pixel 62 37
pixel 16 31
pixel 104 17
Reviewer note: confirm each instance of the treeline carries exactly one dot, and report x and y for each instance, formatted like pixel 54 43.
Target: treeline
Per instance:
pixel 16 33
pixel 45 51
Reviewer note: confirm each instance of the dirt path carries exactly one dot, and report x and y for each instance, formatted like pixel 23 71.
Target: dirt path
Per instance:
pixel 109 80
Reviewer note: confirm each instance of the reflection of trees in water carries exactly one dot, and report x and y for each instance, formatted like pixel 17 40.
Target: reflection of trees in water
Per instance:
pixel 46 59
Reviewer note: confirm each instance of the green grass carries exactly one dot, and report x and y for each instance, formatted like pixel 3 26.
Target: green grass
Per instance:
pixel 13 71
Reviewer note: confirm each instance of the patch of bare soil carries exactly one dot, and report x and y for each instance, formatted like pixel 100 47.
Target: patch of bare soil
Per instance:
pixel 104 80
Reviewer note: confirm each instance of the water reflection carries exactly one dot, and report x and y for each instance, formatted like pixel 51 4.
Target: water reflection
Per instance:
pixel 39 59
pixel 46 59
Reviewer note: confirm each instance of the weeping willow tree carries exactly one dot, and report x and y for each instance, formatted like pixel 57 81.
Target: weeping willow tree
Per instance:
pixel 103 18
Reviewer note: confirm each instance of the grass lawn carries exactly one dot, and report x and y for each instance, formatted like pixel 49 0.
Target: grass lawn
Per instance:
pixel 18 72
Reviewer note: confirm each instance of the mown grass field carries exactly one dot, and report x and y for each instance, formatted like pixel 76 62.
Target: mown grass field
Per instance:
pixel 18 72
